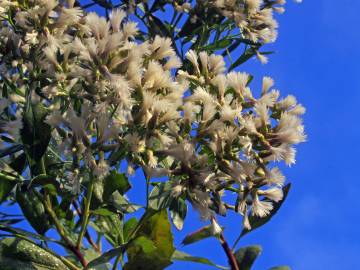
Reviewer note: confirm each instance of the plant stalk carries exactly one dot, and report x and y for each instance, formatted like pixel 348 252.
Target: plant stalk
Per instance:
pixel 229 253
pixel 87 234
pixel 86 213
pixel 62 232
pixel 48 207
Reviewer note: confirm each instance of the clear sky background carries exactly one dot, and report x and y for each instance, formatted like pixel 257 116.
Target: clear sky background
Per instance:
pixel 318 60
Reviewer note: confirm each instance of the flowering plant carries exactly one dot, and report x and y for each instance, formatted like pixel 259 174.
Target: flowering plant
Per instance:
pixel 83 95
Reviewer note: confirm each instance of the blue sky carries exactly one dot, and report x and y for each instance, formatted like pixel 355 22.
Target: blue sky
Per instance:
pixel 317 59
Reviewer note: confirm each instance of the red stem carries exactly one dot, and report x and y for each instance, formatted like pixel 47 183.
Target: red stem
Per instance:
pixel 229 254
pixel 78 254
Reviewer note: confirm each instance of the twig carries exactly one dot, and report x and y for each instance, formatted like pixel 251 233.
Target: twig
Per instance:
pixel 87 234
pixel 229 254
pixel 48 208
pixel 86 213
pixel 61 231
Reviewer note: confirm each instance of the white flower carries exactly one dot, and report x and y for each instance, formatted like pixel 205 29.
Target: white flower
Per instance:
pixel 275 194
pixel 177 190
pixel 116 17
pixel 261 208
pixel 266 85
pixel 215 227
pixel 192 57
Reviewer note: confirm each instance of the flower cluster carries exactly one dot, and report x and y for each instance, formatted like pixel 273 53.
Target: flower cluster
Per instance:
pixel 110 98
pixel 254 18
pixel 234 137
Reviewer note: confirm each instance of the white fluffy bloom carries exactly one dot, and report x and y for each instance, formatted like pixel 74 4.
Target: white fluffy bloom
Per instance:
pixel 215 227
pixel 261 208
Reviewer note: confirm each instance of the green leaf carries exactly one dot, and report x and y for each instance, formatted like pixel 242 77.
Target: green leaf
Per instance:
pixel 33 210
pixel 6 185
pixel 21 254
pixel 283 267
pixel 182 256
pixel 46 181
pixel 142 254
pixel 102 212
pixel 160 197
pixel 157 27
pixel 122 204
pixel 111 227
pixel 10 150
pixel 257 222
pixel 158 228
pixel 243 58
pixel 178 211
pixel 200 234
pixel 36 133
pixel 115 182
pixel 153 246
pixel 19 163
pixel 21 232
pixel 10 221
pixel 129 227
pixel 104 258
pixel 218 45
pixel 246 256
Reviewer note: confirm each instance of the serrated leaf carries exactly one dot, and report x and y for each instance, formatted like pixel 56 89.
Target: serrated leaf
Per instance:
pixel 257 222
pixel 21 254
pixel 204 232
pixel 153 246
pixel 246 256
pixel 182 256
pixel 142 255
pixel 178 211
pixel 157 227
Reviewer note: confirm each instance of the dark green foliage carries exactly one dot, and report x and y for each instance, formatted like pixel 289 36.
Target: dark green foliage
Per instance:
pixel 33 209
pixel 21 254
pixel 35 134
pixel 257 222
pixel 204 232
pixel 246 256
pixel 153 247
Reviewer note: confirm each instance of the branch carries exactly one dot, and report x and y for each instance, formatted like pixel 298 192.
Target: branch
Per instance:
pixel 48 208
pixel 86 213
pixel 87 234
pixel 61 230
pixel 229 254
